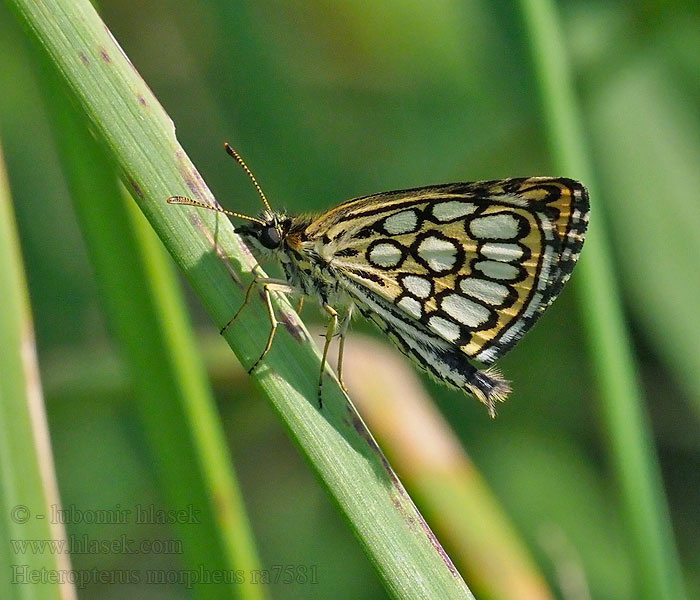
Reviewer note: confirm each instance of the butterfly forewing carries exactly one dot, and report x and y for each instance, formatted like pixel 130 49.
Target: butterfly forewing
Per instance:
pixel 473 263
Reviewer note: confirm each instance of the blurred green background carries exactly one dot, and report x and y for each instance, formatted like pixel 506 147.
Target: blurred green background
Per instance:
pixel 327 102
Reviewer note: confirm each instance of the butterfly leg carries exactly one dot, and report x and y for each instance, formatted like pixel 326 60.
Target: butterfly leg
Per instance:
pixel 330 332
pixel 268 286
pixel 300 304
pixel 341 347
pixel 278 283
pixel 284 287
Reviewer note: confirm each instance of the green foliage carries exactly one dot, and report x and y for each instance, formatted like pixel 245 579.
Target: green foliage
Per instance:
pixel 329 102
pixel 28 490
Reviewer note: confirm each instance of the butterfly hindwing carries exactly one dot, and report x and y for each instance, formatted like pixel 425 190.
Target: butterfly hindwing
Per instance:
pixel 475 263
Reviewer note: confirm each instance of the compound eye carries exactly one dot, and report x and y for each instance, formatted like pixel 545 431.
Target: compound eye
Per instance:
pixel 270 238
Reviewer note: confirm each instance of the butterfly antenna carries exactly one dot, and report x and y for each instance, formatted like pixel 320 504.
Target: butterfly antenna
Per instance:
pixel 183 200
pixel 239 160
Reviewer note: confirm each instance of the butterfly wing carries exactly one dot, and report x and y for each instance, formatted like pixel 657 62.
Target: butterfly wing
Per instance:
pixel 476 263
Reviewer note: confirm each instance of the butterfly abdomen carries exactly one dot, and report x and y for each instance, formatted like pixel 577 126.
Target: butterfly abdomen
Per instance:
pixel 487 385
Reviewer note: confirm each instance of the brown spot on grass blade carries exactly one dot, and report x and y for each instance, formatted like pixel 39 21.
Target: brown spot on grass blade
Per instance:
pixel 193 180
pixel 192 187
pixel 135 186
pixel 438 547
pixel 289 323
pixel 84 59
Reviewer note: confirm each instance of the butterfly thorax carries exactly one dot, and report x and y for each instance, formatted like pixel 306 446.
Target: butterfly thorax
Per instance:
pixel 304 258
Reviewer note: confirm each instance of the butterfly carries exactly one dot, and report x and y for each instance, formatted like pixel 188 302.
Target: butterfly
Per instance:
pixel 450 273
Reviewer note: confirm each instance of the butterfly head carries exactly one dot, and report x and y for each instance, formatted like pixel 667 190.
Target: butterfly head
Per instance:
pixel 267 233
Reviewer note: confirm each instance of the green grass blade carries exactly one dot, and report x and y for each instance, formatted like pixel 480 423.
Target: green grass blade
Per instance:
pixel 649 150
pixel 27 480
pixel 449 488
pixel 147 317
pixel 632 451
pixel 141 139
